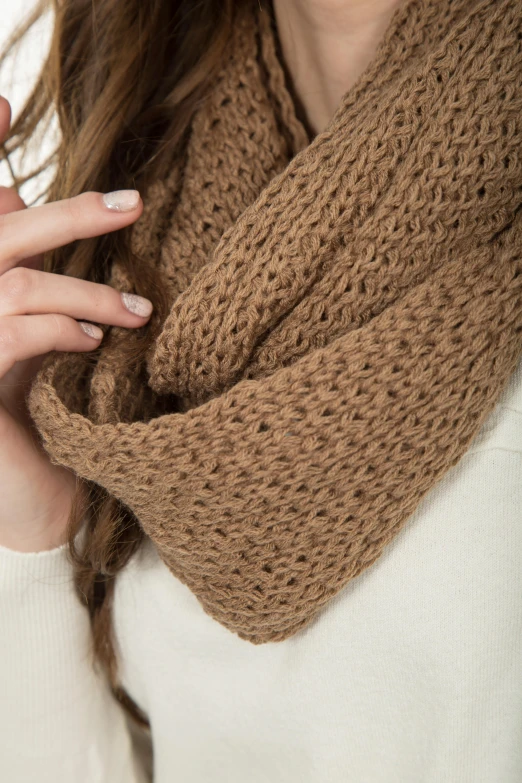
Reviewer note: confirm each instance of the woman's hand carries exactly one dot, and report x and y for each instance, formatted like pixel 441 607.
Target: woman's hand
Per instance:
pixel 42 312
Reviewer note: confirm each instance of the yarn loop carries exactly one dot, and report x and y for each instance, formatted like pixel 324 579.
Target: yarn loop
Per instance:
pixel 345 313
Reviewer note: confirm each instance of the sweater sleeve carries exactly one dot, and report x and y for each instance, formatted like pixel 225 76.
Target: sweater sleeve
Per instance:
pixel 58 720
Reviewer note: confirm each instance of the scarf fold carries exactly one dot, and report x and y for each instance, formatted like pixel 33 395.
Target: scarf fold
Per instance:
pixel 345 313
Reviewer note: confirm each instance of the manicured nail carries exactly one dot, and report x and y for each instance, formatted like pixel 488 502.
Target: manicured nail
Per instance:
pixel 93 331
pixel 137 304
pixel 121 200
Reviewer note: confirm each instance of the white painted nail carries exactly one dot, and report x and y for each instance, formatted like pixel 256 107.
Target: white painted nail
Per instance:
pixel 93 331
pixel 121 200
pixel 137 304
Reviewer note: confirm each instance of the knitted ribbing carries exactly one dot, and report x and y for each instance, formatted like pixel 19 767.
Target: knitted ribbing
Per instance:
pixel 344 315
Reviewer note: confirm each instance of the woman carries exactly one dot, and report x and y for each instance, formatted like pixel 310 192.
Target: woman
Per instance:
pixel 330 235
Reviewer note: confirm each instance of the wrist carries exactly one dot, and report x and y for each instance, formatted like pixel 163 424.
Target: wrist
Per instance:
pixel 37 536
pixel 39 527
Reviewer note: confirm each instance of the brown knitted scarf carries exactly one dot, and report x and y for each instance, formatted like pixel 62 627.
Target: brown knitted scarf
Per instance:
pixel 344 315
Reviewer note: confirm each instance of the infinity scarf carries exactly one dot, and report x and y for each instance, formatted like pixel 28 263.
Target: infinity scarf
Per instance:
pixel 344 314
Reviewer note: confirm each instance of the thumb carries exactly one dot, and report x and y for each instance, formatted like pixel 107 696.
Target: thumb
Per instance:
pixel 10 201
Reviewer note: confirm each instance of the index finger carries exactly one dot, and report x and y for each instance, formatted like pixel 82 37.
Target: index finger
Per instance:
pixel 32 231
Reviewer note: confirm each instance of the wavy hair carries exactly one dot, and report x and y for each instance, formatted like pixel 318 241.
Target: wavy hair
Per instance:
pixel 123 79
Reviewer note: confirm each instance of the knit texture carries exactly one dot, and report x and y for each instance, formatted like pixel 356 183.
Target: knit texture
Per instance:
pixel 345 312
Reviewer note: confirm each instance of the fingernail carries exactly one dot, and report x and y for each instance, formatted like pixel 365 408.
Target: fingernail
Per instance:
pixel 93 331
pixel 121 200
pixel 137 304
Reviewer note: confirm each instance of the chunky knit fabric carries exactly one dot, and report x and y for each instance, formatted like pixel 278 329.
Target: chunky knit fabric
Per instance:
pixel 344 315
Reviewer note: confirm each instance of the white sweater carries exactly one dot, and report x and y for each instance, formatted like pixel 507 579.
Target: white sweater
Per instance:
pixel 412 674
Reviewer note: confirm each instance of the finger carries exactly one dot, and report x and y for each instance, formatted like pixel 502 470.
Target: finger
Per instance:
pixel 23 337
pixel 28 292
pixel 5 117
pixel 38 229
pixel 10 201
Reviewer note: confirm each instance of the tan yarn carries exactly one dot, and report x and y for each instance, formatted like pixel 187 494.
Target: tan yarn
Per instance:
pixel 345 314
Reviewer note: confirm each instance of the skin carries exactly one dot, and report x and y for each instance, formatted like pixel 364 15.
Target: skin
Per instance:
pixel 326 45
pixel 39 313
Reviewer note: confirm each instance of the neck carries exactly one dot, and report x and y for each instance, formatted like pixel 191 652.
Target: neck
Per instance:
pixel 326 45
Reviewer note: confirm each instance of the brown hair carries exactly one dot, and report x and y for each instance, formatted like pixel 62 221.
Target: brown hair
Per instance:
pixel 123 78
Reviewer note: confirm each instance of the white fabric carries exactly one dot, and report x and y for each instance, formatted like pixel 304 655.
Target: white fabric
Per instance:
pixel 412 674
pixel 58 721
